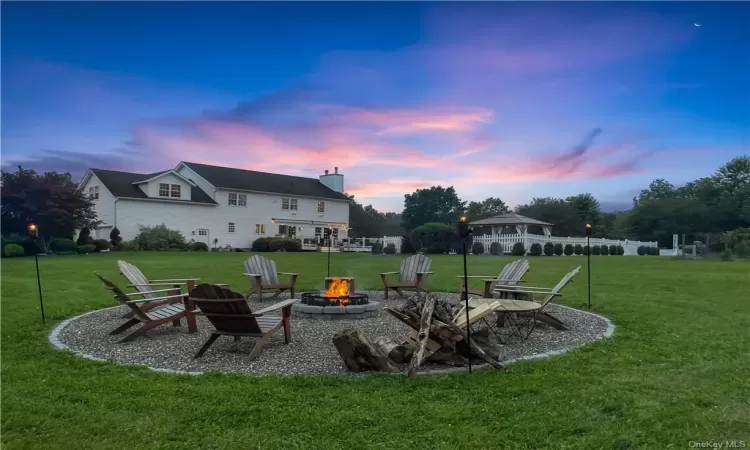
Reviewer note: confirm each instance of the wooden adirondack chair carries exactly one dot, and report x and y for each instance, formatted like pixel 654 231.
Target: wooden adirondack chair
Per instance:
pixel 509 276
pixel 412 275
pixel 155 317
pixel 230 315
pixel 143 285
pixel 542 296
pixel 264 277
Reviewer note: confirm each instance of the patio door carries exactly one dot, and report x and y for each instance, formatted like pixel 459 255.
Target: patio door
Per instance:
pixel 203 236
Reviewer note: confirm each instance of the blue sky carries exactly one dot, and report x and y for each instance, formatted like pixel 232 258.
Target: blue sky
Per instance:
pixel 492 98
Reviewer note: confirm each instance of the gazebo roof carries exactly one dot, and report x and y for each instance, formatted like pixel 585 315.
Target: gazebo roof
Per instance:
pixel 510 219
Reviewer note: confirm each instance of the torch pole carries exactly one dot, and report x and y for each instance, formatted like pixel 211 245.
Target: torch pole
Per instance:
pixel 466 303
pixel 39 284
pixel 588 266
pixel 329 257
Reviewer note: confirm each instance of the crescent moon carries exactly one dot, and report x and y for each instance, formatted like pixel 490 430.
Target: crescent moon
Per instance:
pixel 697 24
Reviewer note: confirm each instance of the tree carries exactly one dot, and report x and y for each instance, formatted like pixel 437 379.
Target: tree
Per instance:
pixel 588 212
pixel 436 205
pixel 365 221
pixel 658 189
pixel 50 200
pixel 488 207
pixel 393 224
pixel 556 211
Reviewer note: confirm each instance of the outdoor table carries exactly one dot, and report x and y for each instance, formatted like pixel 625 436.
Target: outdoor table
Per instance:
pixel 509 309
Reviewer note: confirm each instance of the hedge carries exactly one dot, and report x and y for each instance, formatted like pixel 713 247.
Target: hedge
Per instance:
pixel 536 249
pixel 496 249
pixel 477 248
pixel 12 250
pixel 62 245
pixel 578 249
pixel 549 249
pixel 87 248
pixel 568 249
pixel 518 249
pixel 390 249
pixel 273 244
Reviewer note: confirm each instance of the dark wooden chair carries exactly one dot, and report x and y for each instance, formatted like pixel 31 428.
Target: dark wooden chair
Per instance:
pixel 230 315
pixel 170 312
pixel 264 277
pixel 412 275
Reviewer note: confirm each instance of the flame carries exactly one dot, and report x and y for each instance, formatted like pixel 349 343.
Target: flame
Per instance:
pixel 338 288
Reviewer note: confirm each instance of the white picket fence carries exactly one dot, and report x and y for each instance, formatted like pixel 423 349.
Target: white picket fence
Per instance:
pixel 507 241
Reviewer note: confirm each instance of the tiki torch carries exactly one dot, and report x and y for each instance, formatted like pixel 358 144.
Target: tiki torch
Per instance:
pixel 33 235
pixel 464 231
pixel 588 256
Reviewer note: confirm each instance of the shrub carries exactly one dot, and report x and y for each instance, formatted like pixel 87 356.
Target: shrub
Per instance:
pixel 434 238
pixel 407 247
pixel 496 249
pixel 549 249
pixel 274 244
pixel 160 238
pixel 536 249
pixel 596 250
pixel 114 237
pixel 558 249
pixel 568 250
pixel 101 244
pixel 727 255
pixel 62 245
pixel 12 250
pixel 88 248
pixel 613 249
pixel 84 237
pixel 390 249
pixel 620 250
pixel 578 249
pixel 198 247
pixel 477 248
pixel 642 250
pixel 377 248
pixel 604 250
pixel 518 249
pixel 586 250
pixel 654 251
pixel 742 249
pixel 130 246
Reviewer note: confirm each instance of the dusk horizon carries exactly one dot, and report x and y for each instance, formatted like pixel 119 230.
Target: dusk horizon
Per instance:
pixel 508 100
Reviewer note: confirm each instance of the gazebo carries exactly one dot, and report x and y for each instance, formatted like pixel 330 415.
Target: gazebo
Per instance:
pixel 516 222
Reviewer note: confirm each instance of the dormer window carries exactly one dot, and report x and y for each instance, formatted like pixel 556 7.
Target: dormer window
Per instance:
pixel 289 204
pixel 163 190
pixel 167 190
pixel 175 191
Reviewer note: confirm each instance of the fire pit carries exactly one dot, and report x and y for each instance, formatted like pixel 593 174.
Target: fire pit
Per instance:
pixel 338 302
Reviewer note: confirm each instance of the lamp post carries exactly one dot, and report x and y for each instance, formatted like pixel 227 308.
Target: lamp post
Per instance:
pixel 34 234
pixel 588 256
pixel 464 231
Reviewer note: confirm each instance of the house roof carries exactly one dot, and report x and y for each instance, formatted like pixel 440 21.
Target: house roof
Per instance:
pixel 510 219
pixel 272 183
pixel 120 184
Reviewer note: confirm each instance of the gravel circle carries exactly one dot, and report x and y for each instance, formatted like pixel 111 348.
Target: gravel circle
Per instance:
pixel 311 351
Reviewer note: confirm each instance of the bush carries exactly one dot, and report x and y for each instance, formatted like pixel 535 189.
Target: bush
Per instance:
pixel 477 248
pixel 160 238
pixel 84 237
pixel 558 249
pixel 742 249
pixel 12 250
pixel 377 248
pixel 568 249
pixel 407 248
pixel 390 249
pixel 130 246
pixel 727 255
pixel 518 249
pixel 586 250
pixel 62 245
pixel 596 250
pixel 549 249
pixel 620 250
pixel 88 248
pixel 613 249
pixel 274 244
pixel 496 249
pixel 642 250
pixel 578 249
pixel 198 247
pixel 435 238
pixel 536 249
pixel 654 251
pixel 604 250
pixel 101 244
pixel 114 237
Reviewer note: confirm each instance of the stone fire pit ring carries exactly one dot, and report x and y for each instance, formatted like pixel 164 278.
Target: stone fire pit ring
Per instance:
pixel 335 312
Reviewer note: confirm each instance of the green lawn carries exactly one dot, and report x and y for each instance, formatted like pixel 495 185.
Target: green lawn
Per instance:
pixel 677 369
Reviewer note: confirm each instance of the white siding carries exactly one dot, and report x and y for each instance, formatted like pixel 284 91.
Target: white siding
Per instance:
pixel 104 205
pixel 152 187
pixel 186 218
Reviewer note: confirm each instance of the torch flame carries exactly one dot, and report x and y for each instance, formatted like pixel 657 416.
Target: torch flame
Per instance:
pixel 338 288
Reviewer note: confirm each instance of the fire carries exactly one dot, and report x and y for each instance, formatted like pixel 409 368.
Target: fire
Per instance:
pixel 338 288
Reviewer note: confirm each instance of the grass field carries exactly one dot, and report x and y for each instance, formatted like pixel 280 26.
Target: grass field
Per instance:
pixel 677 369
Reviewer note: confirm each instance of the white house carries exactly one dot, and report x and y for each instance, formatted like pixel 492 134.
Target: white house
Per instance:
pixel 206 203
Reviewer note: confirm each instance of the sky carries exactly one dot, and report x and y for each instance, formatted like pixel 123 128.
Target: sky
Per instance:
pixel 502 99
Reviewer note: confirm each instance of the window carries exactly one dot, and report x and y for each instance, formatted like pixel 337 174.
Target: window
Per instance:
pixel 321 207
pixel 288 231
pixel 163 190
pixel 335 234
pixel 242 199
pixel 202 232
pixel 232 199
pixel 175 191
pixel 237 199
pixel 260 228
pixel 289 204
pixel 230 227
pixel 94 192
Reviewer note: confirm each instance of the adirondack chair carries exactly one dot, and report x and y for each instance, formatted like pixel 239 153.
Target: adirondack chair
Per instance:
pixel 264 277
pixel 510 275
pixel 143 285
pixel 153 318
pixel 542 296
pixel 412 275
pixel 230 315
